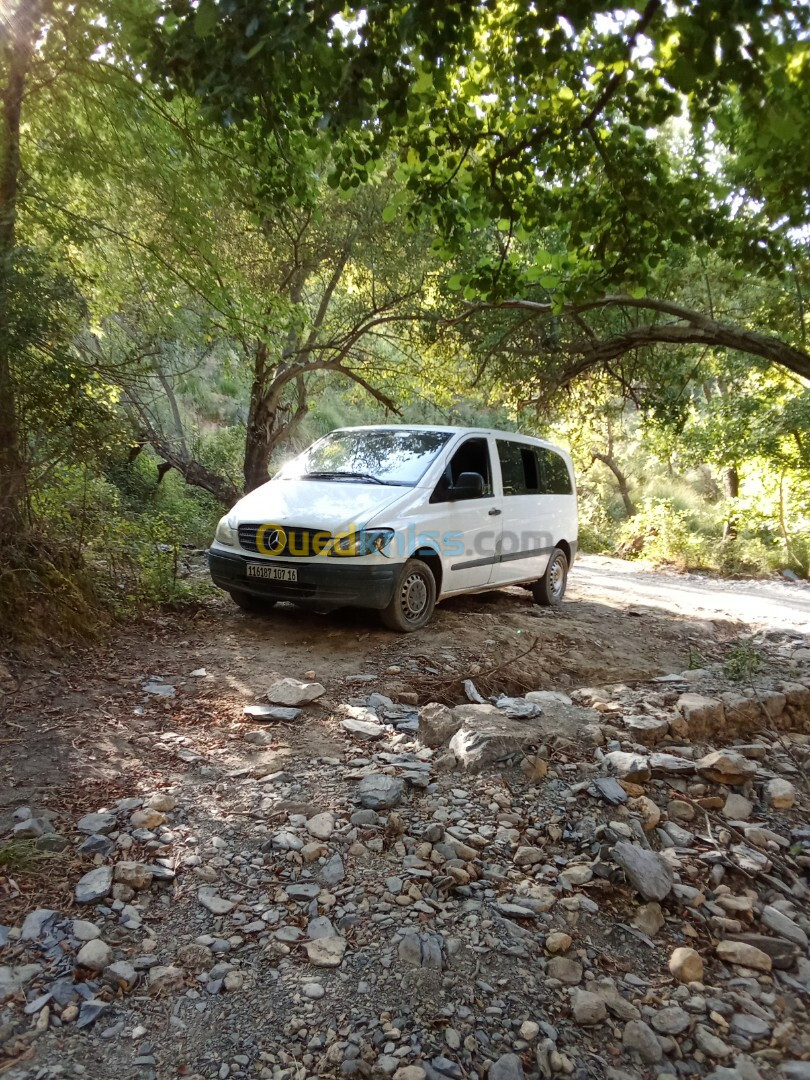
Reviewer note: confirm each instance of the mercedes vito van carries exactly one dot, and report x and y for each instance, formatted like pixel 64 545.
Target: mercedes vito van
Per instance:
pixel 398 518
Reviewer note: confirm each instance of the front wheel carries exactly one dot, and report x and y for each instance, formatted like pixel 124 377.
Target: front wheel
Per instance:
pixel 550 589
pixel 414 598
pixel 254 604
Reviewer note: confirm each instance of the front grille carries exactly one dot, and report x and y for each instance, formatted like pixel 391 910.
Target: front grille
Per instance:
pixel 298 543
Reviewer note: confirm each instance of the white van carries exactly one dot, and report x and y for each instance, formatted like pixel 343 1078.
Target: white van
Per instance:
pixel 398 518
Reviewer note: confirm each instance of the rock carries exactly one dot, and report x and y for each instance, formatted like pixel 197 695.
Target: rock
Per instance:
pixel 362 729
pixel 744 955
pixel 487 736
pixel 780 794
pixel 95 955
pixel 588 1008
pixel 782 925
pixel 529 856
pixel 410 1072
pixel 121 974
pixel 14 979
pixel 670 765
pixel 377 791
pixel 101 823
pixel 313 991
pixel 437 724
pixel 161 801
pixel 649 918
pixel 548 697
pixel 35 923
pixel 641 1039
pixel 529 1030
pixel 749 1026
pixel 783 953
pixel 147 819
pixel 565 970
pixel 726 767
pixel 84 931
pixel 326 951
pixel 321 826
pixel 704 715
pixel 162 977
pixel 195 957
pixel 737 807
pixel 94 885
pixel 294 692
pixel 648 810
pixel 266 714
pixel 646 871
pixel 576 874
pixel 558 942
pixel 32 829
pixel 91 1010
pixel 534 768
pixel 710 1044
pixel 136 875
pixel 671 1020
pixel 647 730
pixel 632 767
pixel 678 810
pixel 332 872
pixel 795 1070
pixel 686 965
pixel 214 903
pixel 507 1067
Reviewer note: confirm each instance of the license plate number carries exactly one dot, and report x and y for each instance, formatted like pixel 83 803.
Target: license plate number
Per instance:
pixel 272 573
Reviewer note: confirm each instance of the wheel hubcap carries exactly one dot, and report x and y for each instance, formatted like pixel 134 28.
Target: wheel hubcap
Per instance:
pixel 413 596
pixel 556 577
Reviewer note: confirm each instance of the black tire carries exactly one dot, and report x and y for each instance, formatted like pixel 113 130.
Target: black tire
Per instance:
pixel 254 604
pixel 550 589
pixel 414 598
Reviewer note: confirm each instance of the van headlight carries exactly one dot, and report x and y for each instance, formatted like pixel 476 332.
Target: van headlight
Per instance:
pixel 354 544
pixel 226 533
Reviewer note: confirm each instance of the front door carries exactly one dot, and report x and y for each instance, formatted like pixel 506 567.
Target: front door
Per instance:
pixel 471 527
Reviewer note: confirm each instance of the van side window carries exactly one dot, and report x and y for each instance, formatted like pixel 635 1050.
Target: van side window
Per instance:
pixel 556 480
pixel 471 456
pixel 518 468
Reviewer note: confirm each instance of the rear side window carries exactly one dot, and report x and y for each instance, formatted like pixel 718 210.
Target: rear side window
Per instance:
pixel 519 469
pixel 555 478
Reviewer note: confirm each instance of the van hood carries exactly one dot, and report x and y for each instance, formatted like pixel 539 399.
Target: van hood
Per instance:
pixel 331 505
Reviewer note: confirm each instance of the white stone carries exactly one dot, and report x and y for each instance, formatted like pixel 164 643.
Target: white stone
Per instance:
pixel 294 692
pixel 95 955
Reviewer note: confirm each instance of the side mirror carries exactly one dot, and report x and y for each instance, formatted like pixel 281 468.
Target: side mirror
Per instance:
pixel 470 485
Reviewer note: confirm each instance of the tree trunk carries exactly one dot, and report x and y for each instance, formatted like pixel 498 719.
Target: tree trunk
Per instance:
pixel 19 46
pixel 270 423
pixel 731 482
pixel 621 480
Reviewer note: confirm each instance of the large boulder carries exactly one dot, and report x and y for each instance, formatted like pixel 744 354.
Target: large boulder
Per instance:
pixel 704 715
pixel 437 724
pixel 487 736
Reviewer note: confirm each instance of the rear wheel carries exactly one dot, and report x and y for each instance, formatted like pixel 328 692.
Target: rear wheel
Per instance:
pixel 550 589
pixel 414 598
pixel 248 602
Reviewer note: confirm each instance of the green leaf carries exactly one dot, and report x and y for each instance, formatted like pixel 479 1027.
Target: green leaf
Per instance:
pixel 549 281
pixel 389 212
pixel 455 283
pixel 565 93
pixel 638 292
pixel 424 83
pixel 206 18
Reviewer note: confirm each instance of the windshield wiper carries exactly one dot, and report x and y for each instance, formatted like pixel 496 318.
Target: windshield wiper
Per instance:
pixel 367 477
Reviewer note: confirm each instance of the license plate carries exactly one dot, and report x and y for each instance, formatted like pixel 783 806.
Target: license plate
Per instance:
pixel 272 573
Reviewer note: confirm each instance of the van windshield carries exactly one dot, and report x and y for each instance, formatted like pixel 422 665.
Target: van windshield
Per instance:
pixel 391 456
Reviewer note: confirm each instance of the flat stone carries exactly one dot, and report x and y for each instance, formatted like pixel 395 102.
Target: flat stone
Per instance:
pixel 326 951
pixel 35 922
pixel 15 978
pixel 121 974
pixel 726 767
pixel 649 918
pixel 632 767
pixel 647 730
pixel 332 872
pixel 164 977
pixel 486 736
pixel 646 871
pixel 711 1044
pixel 529 856
pixel 670 765
pixel 737 807
pixel 294 692
pixel 783 953
pixel 642 1040
pixel 362 729
pixel 507 1067
pixel 94 885
pixel 548 697
pixel 212 902
pixel 752 1027
pixel 565 970
pixel 101 823
pixel 784 926
pixel 136 875
pixel 671 1020
pixel 312 991
pixel 377 791
pixel 84 931
pixel 744 955
pixel 267 714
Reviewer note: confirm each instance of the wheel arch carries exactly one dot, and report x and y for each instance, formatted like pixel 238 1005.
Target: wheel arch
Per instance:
pixel 431 557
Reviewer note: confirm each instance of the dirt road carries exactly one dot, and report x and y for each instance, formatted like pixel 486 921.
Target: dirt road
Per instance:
pixel 778 605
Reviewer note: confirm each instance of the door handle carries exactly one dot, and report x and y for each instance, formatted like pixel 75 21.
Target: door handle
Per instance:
pixel 494 512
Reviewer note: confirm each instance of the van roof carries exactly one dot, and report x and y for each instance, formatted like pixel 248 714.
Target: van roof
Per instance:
pixel 453 430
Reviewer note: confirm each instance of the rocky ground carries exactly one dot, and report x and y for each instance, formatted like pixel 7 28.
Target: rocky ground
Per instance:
pixel 607 883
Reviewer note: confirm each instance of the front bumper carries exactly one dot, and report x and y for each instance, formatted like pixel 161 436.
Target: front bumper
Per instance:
pixel 321 586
